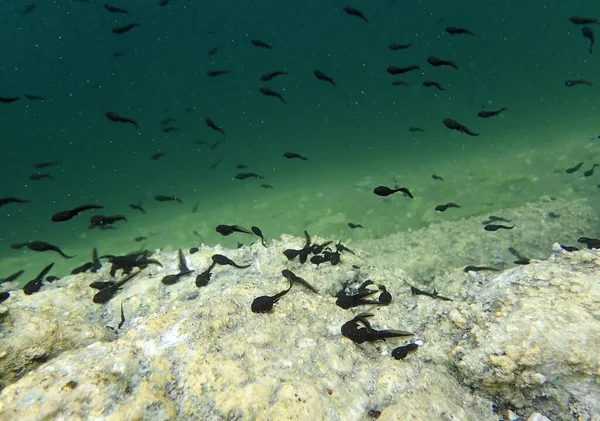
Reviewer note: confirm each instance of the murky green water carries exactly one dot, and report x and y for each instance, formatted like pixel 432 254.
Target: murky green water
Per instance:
pixel 355 136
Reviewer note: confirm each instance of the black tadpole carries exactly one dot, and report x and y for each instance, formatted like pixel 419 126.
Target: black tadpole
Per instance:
pixel 203 279
pixel 495 227
pixel 591 243
pixel 292 277
pixel 402 351
pixel 183 271
pixel 359 330
pixel 571 170
pixel 385 297
pixel 12 277
pixel 106 294
pixel 265 303
pixel 434 294
pixel 386 191
pixel 101 284
pixel 479 268
pixel 36 284
pixel 174 278
pixel 219 259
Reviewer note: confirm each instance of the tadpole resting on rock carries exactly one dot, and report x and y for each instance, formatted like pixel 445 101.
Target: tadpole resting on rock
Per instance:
pixel 221 260
pixel 183 271
pixel 385 297
pixel 496 227
pixel 36 284
pixel 434 294
pixel 203 278
pixel 568 248
pixel 353 330
pixel 138 259
pixel 95 265
pixel 402 351
pixel 264 303
pixel 101 284
pixel 591 243
pixel 292 277
pixel 479 268
pixel 106 294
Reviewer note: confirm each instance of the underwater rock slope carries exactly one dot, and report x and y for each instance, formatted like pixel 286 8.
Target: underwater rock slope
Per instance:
pixel 432 251
pixel 525 340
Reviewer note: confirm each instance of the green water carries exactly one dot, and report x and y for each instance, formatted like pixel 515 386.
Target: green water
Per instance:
pixel 355 136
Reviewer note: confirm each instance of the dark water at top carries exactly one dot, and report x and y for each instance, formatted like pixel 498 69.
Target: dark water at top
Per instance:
pixel 355 135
